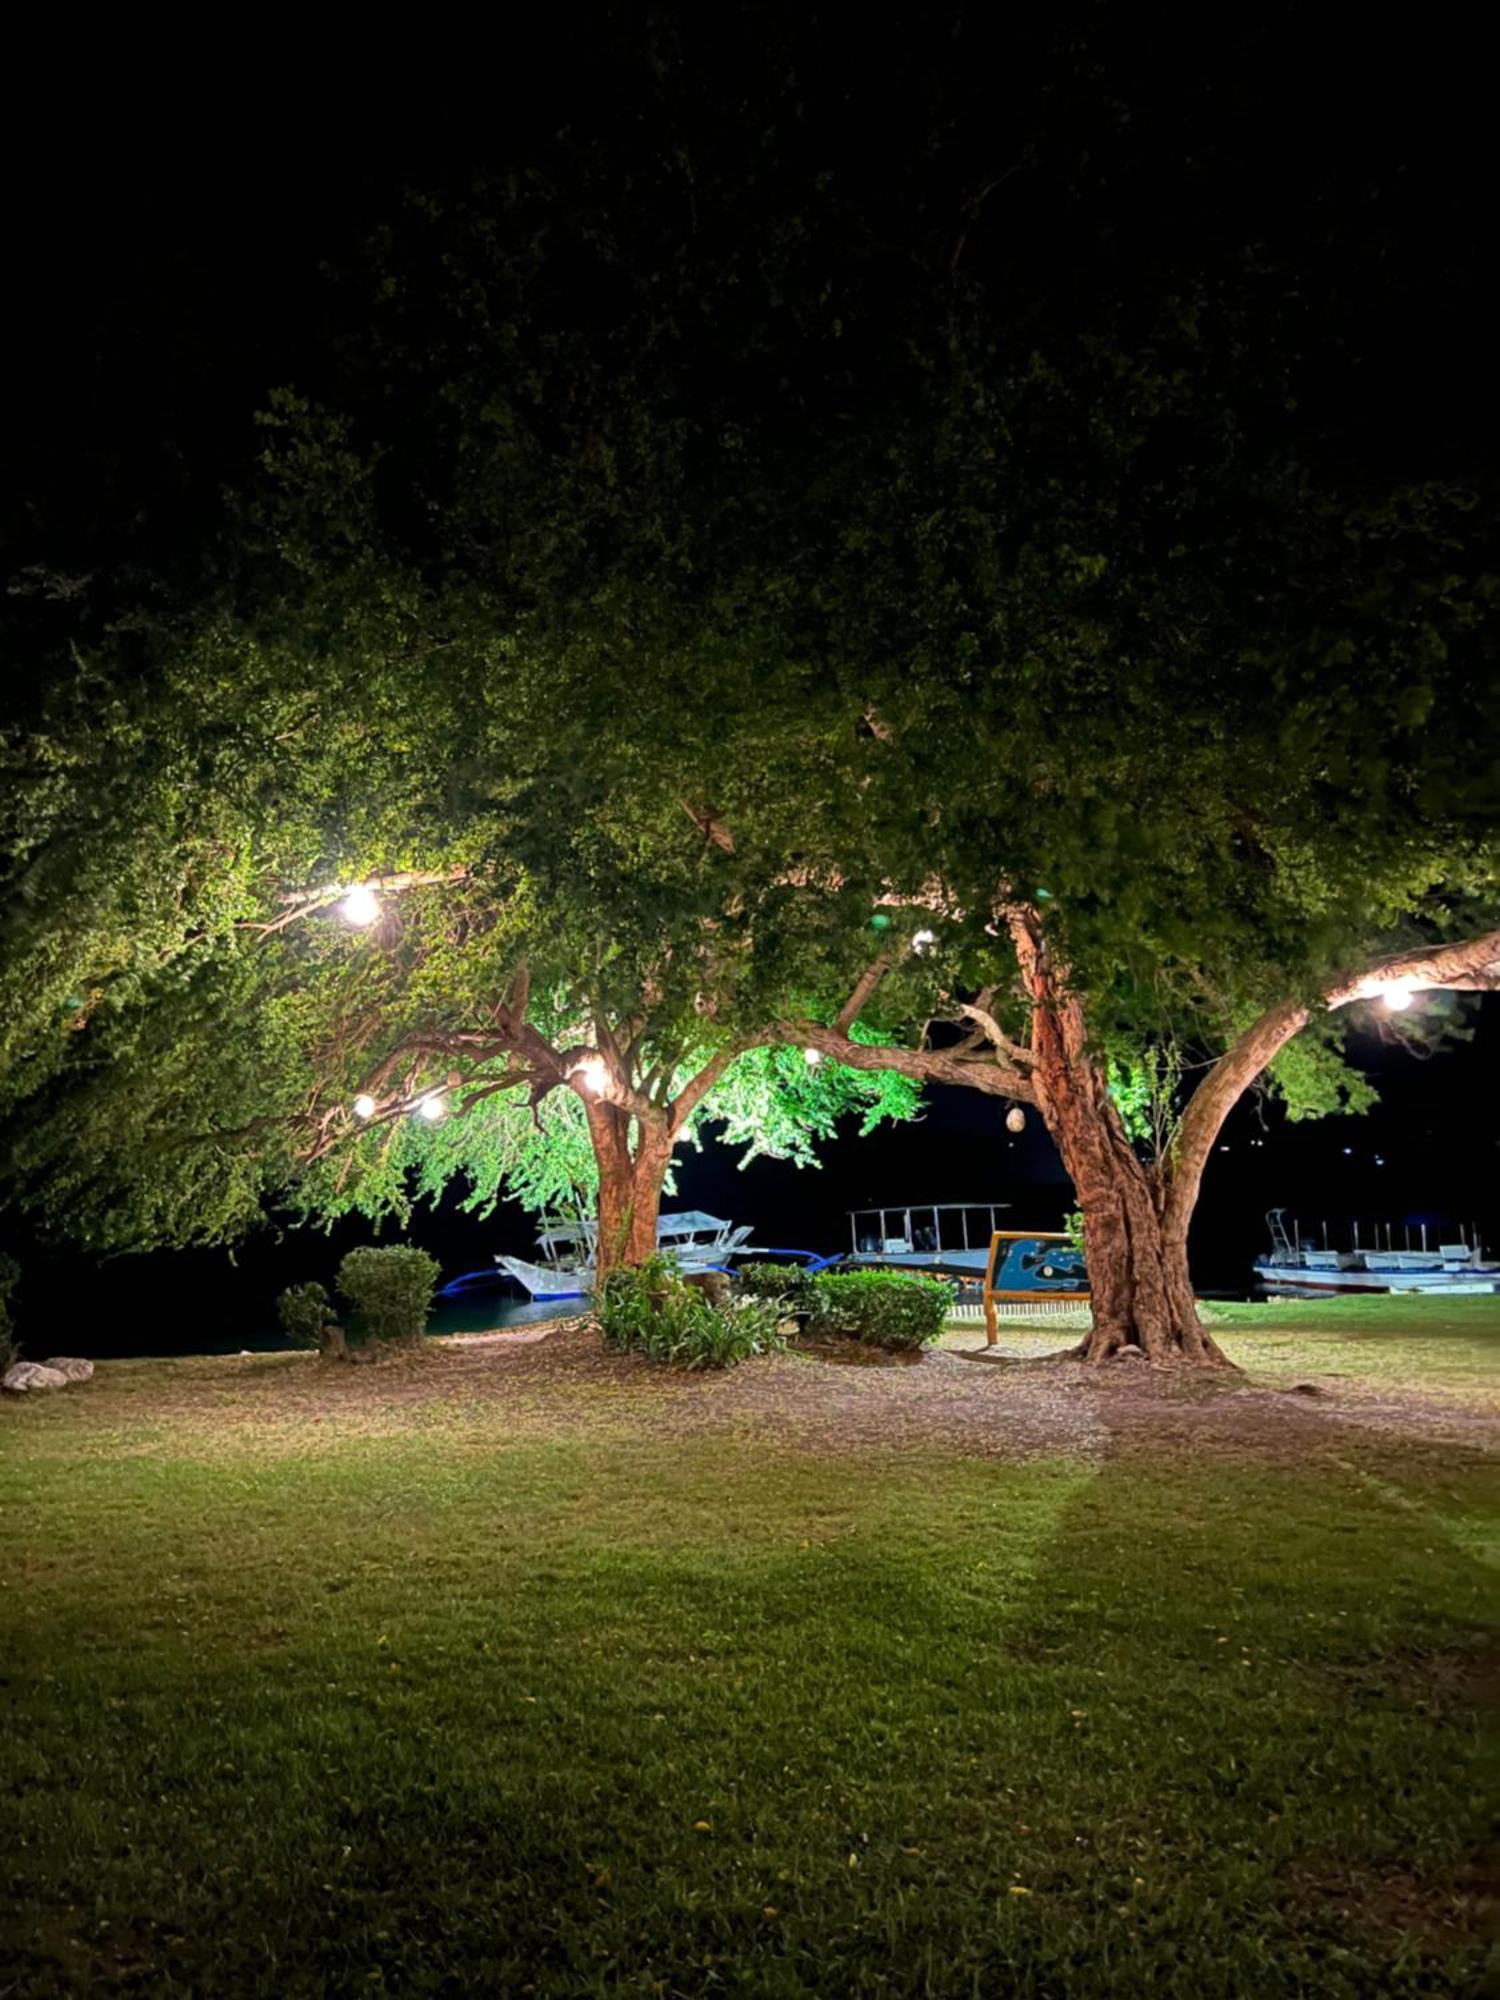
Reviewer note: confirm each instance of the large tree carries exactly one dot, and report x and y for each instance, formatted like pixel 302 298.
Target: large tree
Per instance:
pixel 714 525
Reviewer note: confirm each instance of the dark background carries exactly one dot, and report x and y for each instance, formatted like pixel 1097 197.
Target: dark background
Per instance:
pixel 167 258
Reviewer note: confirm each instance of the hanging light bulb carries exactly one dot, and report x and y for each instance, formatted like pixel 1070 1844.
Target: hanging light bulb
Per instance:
pixel 593 1074
pixel 361 906
pixel 1015 1119
pixel 924 941
pixel 1397 996
pixel 434 1107
pixel 812 1057
pixel 364 1105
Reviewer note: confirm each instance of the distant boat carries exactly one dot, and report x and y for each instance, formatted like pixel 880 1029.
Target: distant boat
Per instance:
pixel 1294 1269
pixel 953 1238
pixel 566 1250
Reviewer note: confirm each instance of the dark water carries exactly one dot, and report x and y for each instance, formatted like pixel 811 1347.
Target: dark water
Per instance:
pixel 474 1310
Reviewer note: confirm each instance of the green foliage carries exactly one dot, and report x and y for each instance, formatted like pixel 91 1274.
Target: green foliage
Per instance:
pixel 652 1312
pixel 1314 1079
pixel 305 1312
pixel 704 607
pixel 1073 1229
pixel 776 1105
pixel 787 1285
pixel 390 1291
pixel 10 1278
pixel 891 1309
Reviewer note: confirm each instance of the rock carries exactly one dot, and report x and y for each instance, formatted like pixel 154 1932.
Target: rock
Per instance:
pixel 28 1375
pixel 70 1365
pixel 713 1284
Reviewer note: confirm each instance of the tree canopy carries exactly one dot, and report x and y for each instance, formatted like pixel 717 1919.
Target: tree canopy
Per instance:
pixel 718 526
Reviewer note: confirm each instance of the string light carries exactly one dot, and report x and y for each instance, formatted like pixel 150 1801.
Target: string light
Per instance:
pixel 1397 996
pixel 434 1107
pixel 360 907
pixel 1015 1119
pixel 594 1075
pixel 812 1057
pixel 364 1105
pixel 924 941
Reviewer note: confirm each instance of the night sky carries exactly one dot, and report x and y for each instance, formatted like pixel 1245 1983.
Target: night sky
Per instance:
pixel 161 277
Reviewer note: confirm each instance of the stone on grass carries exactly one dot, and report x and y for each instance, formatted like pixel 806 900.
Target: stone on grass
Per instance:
pixel 71 1365
pixel 24 1376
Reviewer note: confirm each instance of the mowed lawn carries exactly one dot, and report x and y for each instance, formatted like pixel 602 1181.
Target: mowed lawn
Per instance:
pixel 532 1672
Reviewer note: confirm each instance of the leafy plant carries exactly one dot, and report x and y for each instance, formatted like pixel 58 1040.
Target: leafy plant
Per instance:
pixel 307 1318
pixel 788 1285
pixel 890 1309
pixel 651 1311
pixel 389 1290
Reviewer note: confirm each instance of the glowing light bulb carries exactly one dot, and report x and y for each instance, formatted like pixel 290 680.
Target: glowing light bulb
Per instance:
pixel 364 1105
pixel 1397 996
pixel 812 1057
pixel 433 1108
pixel 361 906
pixel 593 1073
pixel 924 941
pixel 1015 1119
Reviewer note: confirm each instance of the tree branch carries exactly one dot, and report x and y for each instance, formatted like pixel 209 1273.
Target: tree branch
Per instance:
pixel 982 1072
pixel 1472 965
pixel 302 903
pixel 864 986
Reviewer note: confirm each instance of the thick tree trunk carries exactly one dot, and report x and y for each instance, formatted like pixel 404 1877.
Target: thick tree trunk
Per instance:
pixel 1134 1224
pixel 1134 1238
pixel 630 1182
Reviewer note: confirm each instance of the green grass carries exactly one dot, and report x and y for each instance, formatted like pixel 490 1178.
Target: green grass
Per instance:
pixel 424 1706
pixel 1431 1347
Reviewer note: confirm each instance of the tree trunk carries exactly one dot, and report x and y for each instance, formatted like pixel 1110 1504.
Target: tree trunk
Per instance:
pixel 1134 1238
pixel 1134 1221
pixel 630 1181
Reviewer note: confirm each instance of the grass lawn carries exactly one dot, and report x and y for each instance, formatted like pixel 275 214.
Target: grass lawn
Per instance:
pixel 526 1670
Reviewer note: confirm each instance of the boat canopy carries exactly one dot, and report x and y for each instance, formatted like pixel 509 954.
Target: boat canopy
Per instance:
pixel 687 1222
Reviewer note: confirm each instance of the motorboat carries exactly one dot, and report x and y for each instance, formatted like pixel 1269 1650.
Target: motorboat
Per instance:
pixel 566 1251
pixel 1294 1269
pixel 954 1239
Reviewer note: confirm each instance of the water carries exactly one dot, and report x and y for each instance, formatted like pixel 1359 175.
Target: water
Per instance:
pixel 476 1309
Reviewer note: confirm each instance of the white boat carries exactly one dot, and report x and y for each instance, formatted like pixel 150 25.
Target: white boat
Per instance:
pixel 925 1236
pixel 953 1238
pixel 566 1250
pixel 1294 1269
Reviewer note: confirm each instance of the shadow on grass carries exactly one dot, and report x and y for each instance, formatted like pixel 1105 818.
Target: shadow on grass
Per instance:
pixel 703 1716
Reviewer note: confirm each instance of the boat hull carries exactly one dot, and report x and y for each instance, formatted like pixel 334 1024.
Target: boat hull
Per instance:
pixel 1312 1283
pixel 553 1281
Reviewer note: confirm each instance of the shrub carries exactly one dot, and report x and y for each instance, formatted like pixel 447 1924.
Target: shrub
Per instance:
pixel 890 1309
pixel 390 1291
pixel 652 1311
pixel 306 1314
pixel 788 1285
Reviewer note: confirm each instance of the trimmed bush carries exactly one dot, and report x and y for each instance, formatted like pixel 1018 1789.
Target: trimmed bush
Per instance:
pixel 788 1285
pixel 307 1320
pixel 891 1309
pixel 390 1291
pixel 652 1311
